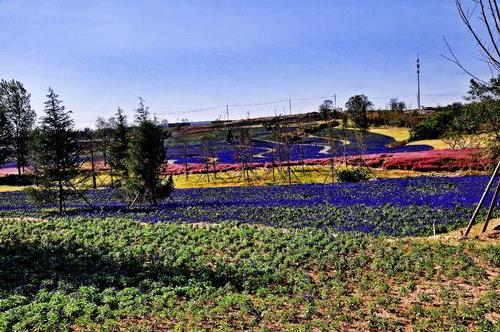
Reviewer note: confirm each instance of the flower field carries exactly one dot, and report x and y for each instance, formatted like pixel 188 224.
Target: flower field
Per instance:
pixel 310 148
pixel 311 151
pixel 424 161
pixel 396 207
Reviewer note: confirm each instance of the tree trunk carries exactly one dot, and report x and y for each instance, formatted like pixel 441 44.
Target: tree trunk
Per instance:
pixel 19 164
pixel 105 152
pixel 94 182
pixel 185 162
pixel 60 196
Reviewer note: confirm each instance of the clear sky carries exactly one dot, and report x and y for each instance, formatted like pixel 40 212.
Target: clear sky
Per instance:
pixel 189 55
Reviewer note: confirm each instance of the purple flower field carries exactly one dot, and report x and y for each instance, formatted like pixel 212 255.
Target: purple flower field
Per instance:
pixel 310 148
pixel 396 207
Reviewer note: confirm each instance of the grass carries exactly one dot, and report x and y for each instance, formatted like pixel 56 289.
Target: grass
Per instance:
pixel 257 177
pixel 403 134
pixel 399 134
pixel 306 175
pixel 94 274
pixel 479 238
pixel 11 188
pixel 438 144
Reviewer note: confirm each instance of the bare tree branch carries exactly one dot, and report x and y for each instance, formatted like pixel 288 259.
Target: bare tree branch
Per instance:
pixel 453 58
pixel 494 15
pixel 496 11
pixel 488 27
pixel 466 17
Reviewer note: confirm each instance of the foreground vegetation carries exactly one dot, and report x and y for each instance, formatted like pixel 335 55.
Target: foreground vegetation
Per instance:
pixel 114 273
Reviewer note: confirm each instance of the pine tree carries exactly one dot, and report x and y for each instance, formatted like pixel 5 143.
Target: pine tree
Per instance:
pixel 56 152
pixel 119 144
pixel 146 155
pixel 16 103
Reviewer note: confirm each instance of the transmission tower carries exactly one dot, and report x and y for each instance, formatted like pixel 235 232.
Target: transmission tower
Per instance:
pixel 418 83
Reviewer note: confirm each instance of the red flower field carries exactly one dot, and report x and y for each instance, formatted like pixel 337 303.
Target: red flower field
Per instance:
pixel 426 161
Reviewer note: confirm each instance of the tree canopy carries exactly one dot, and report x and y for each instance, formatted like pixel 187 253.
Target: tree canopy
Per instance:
pixel 357 108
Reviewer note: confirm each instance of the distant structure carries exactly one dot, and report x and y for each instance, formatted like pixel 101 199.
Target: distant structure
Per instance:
pixel 418 83
pixel 178 124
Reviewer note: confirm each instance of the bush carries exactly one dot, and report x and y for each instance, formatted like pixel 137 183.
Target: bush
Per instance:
pixel 315 129
pixel 436 125
pixel 351 175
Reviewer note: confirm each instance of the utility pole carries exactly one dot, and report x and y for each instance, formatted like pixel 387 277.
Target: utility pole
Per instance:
pixel 335 101
pixel 418 83
pixel 227 112
pixel 290 105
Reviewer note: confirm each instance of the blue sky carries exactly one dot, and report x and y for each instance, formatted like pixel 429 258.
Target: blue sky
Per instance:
pixel 191 55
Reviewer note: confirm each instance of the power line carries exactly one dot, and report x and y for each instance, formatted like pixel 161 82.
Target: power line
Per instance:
pixel 225 108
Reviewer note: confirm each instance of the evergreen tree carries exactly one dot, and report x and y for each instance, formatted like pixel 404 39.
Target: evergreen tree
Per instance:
pixel 146 155
pixel 15 101
pixel 119 144
pixel 5 137
pixel 56 152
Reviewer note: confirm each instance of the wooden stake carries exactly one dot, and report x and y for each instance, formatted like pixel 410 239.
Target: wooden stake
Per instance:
pixel 492 207
pixel 480 204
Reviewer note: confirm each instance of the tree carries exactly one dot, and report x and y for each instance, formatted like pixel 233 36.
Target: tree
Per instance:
pixel 396 105
pixel 146 155
pixel 326 110
pixel 102 131
pixel 15 101
pixel 119 144
pixel 56 152
pixel 357 108
pixel 5 137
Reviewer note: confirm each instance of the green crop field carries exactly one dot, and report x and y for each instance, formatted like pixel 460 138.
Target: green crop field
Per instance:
pixel 89 274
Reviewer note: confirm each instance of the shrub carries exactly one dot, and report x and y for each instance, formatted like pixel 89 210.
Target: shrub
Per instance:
pixel 436 125
pixel 351 175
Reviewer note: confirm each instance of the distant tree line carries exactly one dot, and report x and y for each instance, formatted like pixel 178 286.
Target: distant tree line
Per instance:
pixel 474 123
